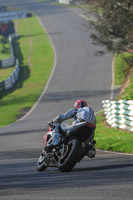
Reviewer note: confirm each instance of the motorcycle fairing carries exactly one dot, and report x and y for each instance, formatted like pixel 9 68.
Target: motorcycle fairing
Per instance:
pixel 69 129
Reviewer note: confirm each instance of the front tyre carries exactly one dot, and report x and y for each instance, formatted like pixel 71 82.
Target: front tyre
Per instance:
pixel 71 157
pixel 41 163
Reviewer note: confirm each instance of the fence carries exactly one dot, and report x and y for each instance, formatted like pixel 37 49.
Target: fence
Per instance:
pixel 64 1
pixel 11 80
pixel 119 114
pixel 10 61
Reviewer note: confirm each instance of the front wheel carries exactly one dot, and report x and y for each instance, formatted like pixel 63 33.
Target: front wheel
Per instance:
pixel 71 156
pixel 41 163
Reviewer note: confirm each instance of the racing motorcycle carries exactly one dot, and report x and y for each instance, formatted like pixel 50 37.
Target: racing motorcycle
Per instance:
pixel 71 148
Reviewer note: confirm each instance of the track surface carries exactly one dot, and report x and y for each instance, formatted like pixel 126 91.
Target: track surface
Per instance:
pixel 78 74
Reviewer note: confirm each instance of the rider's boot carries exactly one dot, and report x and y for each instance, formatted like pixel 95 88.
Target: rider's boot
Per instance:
pixel 92 152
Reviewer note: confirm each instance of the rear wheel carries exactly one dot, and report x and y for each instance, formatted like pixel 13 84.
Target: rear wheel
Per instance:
pixel 71 156
pixel 41 163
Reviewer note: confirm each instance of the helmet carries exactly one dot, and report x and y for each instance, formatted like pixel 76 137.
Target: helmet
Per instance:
pixel 80 104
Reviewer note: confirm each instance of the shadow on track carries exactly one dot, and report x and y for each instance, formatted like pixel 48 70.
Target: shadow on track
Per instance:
pixel 104 167
pixel 23 132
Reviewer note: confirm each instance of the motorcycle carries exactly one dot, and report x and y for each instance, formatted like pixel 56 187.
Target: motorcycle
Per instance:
pixel 71 148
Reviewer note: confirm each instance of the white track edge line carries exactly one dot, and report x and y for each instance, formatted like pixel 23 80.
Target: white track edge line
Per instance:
pixel 114 152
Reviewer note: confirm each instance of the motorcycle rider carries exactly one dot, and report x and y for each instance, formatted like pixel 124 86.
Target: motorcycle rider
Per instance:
pixel 80 112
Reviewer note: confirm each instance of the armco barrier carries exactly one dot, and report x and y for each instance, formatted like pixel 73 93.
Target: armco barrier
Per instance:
pixel 119 114
pixel 11 80
pixel 2 86
pixel 10 61
pixel 64 1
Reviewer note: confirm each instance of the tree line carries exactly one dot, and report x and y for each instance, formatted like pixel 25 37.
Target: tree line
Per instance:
pixel 114 25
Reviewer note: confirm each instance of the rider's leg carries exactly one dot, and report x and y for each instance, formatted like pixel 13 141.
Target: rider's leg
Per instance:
pixel 55 138
pixel 91 143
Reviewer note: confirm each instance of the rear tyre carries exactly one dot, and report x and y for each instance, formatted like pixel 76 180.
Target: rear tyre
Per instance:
pixel 41 163
pixel 71 157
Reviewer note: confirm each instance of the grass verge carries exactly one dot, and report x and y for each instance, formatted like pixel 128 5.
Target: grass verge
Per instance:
pixel 128 92
pixel 5 73
pixel 122 67
pixel 124 75
pixel 36 56
pixel 112 139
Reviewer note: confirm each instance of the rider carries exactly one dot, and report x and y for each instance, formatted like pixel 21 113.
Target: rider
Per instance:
pixel 80 112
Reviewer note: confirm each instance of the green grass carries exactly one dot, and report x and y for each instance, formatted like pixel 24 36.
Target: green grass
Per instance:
pixel 123 70
pixel 36 56
pixel 128 92
pixel 5 73
pixel 4 48
pixel 122 67
pixel 112 139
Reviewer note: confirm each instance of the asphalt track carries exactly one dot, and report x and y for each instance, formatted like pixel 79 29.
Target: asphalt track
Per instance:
pixel 77 73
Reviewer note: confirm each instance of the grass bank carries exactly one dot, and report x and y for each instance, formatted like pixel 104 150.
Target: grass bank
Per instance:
pixel 112 139
pixel 5 73
pixel 123 64
pixel 127 93
pixel 124 75
pixel 36 57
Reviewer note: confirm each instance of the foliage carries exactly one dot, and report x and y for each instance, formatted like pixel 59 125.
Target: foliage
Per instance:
pixel 114 26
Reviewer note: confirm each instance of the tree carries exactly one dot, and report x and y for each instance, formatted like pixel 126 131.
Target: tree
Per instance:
pixel 114 26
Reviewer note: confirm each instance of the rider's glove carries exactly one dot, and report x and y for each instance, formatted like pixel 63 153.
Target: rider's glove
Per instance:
pixel 57 119
pixel 50 122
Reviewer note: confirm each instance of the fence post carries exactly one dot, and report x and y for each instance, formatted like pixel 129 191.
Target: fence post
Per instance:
pixel 11 80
